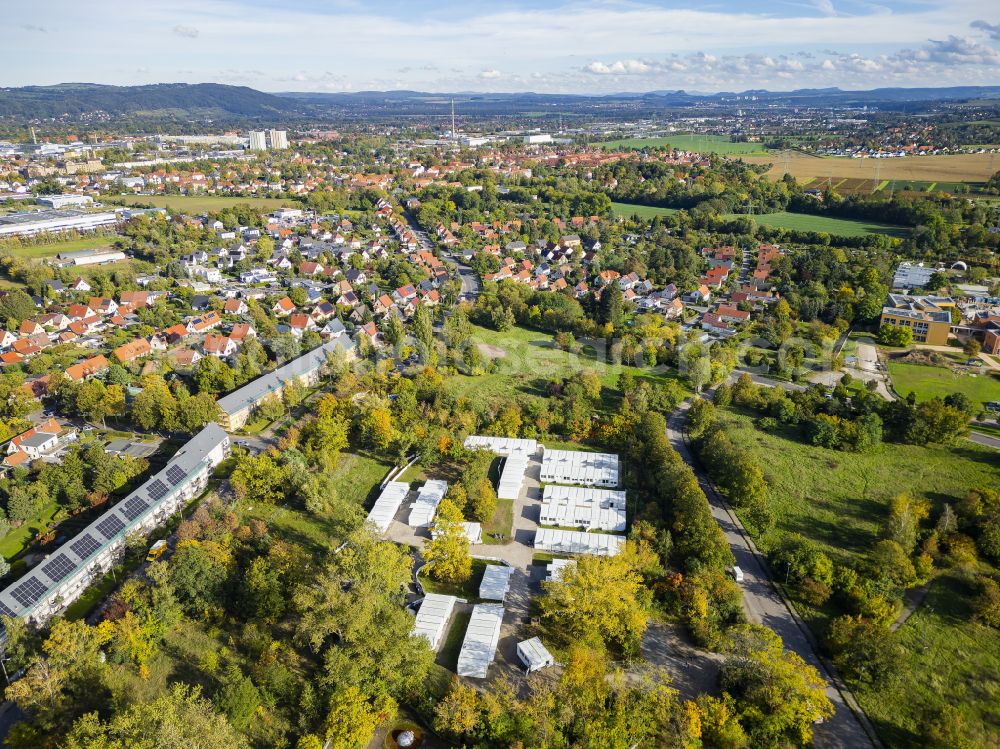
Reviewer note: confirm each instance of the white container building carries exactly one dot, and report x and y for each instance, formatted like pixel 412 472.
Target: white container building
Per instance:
pixel 481 639
pixel 556 541
pixel 433 617
pixel 534 655
pixel 388 504
pixel 582 468
pixel 425 506
pixel 496 582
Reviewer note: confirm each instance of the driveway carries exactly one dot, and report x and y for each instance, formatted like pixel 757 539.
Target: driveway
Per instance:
pixel 764 605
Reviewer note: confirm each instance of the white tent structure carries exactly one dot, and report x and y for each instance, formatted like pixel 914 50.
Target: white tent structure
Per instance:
pixel 583 507
pixel 556 567
pixel 433 616
pixel 576 467
pixel 387 505
pixel 425 506
pixel 577 542
pixel 481 638
pixel 534 655
pixel 496 582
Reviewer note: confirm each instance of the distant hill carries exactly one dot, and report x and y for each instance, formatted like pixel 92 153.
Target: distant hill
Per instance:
pixel 168 99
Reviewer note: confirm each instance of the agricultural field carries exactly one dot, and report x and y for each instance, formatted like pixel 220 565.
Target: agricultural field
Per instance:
pixel 975 167
pixel 839 500
pixel 687 142
pixel 199 203
pixel 929 381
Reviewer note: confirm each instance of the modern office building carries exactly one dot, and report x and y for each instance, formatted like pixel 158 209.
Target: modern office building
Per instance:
pixel 258 140
pixel 929 317
pixel 62 576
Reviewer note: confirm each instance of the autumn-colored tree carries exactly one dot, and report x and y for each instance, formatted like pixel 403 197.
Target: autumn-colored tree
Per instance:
pixel 353 718
pixel 447 554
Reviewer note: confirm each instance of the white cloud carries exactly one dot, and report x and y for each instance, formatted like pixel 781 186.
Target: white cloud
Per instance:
pixel 621 67
pixel 189 31
pixel 490 75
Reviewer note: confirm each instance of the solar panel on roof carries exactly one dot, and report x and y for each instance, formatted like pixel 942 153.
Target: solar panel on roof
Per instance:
pixel 84 546
pixel 157 491
pixel 110 526
pixel 58 568
pixel 175 474
pixel 6 610
pixel 133 508
pixel 29 592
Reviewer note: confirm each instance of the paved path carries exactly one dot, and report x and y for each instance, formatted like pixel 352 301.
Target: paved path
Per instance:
pixel 765 606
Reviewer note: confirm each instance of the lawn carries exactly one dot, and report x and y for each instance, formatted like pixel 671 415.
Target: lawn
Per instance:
pixel 839 499
pixel 448 655
pixel 934 381
pixel 51 249
pixel 19 538
pixel 719 144
pixel 530 360
pixel 359 476
pixel 200 203
pixel 948 658
pixel 628 210
pixel 781 220
pixel 501 523
pixel 974 167
pixel 469 590
pixel 841 226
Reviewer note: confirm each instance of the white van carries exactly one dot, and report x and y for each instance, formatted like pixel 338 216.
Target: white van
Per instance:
pixel 737 574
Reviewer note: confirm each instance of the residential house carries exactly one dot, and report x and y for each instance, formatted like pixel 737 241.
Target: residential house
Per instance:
pixel 283 307
pixel 132 350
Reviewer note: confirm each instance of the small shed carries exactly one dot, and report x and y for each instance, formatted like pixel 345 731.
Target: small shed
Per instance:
pixel 534 655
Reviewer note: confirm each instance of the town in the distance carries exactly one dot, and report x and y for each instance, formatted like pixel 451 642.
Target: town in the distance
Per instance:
pixel 400 419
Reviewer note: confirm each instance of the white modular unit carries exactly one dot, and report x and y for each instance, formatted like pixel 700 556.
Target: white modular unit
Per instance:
pixel 425 505
pixel 534 655
pixel 502 446
pixel 433 616
pixel 575 506
pixel 556 567
pixel 512 476
pixel 577 542
pixel 576 467
pixel 387 505
pixel 495 583
pixel 481 638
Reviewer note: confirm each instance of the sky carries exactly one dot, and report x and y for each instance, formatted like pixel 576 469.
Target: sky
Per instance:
pixel 550 46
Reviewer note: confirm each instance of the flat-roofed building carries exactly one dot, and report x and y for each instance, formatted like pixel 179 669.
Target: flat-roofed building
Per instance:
pixel 481 639
pixel 495 582
pixel 38 222
pixel 928 317
pixel 556 541
pixel 425 506
pixel 578 467
pixel 433 617
pixel 583 507
pixel 63 575
pixel 388 504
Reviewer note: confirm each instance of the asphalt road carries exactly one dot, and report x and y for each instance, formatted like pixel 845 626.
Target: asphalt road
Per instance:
pixel 764 606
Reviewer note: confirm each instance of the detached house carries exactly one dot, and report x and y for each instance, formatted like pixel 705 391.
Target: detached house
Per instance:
pixel 283 307
pixel 132 350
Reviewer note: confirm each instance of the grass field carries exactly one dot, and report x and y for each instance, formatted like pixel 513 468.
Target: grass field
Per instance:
pixel 530 360
pixel 839 500
pixel 51 249
pixel 199 203
pixel 628 210
pixel 783 220
pixel 975 167
pixel 932 381
pixel 359 476
pixel 840 226
pixel 687 142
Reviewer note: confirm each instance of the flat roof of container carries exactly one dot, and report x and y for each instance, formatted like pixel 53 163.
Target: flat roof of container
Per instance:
pixel 496 582
pixel 432 618
pixel 481 638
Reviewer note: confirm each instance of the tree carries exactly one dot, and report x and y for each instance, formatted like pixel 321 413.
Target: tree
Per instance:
pixel 16 306
pixel 377 427
pixel 197 574
pixel 612 305
pixel 212 375
pixel 447 554
pixel 779 697
pixel 179 719
pixel 259 478
pixel 238 698
pixel 600 597
pixel 972 348
pixel 353 718
pixel 483 502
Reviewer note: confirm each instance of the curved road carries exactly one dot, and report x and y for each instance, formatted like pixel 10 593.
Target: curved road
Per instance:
pixel 764 606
